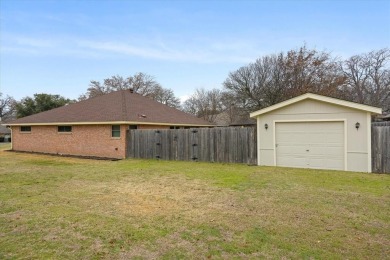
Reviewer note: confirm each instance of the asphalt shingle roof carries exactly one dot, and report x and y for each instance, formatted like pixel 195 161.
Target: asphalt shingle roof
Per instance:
pixel 4 129
pixel 119 106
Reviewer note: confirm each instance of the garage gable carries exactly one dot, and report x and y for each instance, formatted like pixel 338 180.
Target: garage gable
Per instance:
pixel 322 99
pixel 310 106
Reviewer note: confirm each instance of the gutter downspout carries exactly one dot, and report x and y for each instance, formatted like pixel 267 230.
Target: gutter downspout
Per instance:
pixel 12 138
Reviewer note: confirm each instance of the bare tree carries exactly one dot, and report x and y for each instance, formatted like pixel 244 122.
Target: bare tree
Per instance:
pixel 95 89
pixel 311 71
pixel 274 78
pixel 164 96
pixel 258 84
pixel 7 108
pixel 141 83
pixel 368 78
pixel 242 84
pixel 206 104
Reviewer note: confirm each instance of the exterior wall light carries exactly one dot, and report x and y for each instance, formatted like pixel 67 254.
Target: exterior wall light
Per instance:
pixel 266 126
pixel 357 125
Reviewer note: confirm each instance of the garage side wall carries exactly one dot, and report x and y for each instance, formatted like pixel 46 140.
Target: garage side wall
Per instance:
pixel 357 141
pixel 84 140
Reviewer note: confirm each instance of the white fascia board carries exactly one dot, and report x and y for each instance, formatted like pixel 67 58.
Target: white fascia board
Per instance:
pixel 106 123
pixel 335 101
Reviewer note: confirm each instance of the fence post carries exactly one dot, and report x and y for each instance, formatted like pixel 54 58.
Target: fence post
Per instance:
pixel 194 144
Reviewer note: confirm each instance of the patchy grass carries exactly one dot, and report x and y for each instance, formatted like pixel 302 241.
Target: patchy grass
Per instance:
pixel 54 207
pixel 5 146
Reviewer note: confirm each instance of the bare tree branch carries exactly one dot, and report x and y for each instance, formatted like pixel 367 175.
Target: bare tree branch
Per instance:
pixel 141 83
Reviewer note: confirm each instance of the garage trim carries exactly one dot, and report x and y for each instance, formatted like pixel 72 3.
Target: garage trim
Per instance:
pixel 317 120
pixel 369 166
pixel 329 100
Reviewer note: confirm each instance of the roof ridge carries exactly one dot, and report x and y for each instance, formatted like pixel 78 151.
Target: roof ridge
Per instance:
pixel 124 107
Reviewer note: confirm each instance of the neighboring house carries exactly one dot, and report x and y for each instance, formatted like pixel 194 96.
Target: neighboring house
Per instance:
pixel 244 122
pixel 221 119
pixel 224 119
pixel 313 131
pixel 97 126
pixel 383 117
pixel 5 133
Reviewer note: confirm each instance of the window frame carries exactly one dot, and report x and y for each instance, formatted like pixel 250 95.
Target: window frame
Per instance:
pixel 115 131
pixel 23 130
pixel 64 129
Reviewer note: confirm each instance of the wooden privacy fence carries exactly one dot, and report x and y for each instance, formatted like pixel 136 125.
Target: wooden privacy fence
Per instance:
pixel 224 144
pixel 229 144
pixel 380 147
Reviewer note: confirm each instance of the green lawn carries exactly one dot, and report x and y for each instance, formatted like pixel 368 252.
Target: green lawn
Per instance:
pixel 52 207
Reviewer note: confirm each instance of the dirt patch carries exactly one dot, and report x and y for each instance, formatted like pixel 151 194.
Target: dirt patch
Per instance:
pixel 168 244
pixel 192 199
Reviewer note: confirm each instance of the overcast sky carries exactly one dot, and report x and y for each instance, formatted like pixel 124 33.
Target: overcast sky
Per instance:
pixel 58 47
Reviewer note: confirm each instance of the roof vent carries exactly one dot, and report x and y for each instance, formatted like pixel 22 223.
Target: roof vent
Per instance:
pixel 141 116
pixel 131 90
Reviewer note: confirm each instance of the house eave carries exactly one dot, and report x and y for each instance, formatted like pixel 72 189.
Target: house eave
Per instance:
pixel 108 123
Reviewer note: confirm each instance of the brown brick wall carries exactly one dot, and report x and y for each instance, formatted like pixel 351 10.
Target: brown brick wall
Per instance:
pixel 86 140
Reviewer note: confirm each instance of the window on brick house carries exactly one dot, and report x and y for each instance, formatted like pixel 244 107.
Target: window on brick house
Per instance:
pixel 64 128
pixel 25 129
pixel 115 131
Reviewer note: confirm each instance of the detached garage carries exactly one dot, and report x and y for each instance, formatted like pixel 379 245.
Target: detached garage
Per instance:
pixel 313 131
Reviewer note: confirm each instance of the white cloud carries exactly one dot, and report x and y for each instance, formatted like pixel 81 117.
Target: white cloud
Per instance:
pixel 161 52
pixel 34 42
pixel 199 52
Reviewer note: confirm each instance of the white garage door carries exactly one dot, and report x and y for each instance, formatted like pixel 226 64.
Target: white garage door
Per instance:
pixel 318 145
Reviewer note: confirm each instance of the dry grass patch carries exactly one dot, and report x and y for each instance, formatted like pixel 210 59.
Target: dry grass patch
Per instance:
pixel 52 207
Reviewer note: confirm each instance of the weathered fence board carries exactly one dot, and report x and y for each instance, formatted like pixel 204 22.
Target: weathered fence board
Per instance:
pixel 380 147
pixel 225 144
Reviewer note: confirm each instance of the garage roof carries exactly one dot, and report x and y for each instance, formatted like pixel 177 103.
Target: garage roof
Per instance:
pixel 334 101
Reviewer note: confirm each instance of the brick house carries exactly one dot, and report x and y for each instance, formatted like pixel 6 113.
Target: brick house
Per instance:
pixel 97 126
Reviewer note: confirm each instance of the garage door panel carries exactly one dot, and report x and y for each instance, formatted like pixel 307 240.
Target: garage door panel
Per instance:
pixel 294 138
pixel 328 163
pixel 297 161
pixel 317 163
pixel 325 151
pixel 291 149
pixel 318 145
pixel 318 138
pixel 335 136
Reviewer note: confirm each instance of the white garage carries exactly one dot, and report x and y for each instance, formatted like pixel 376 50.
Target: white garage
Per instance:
pixel 313 131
